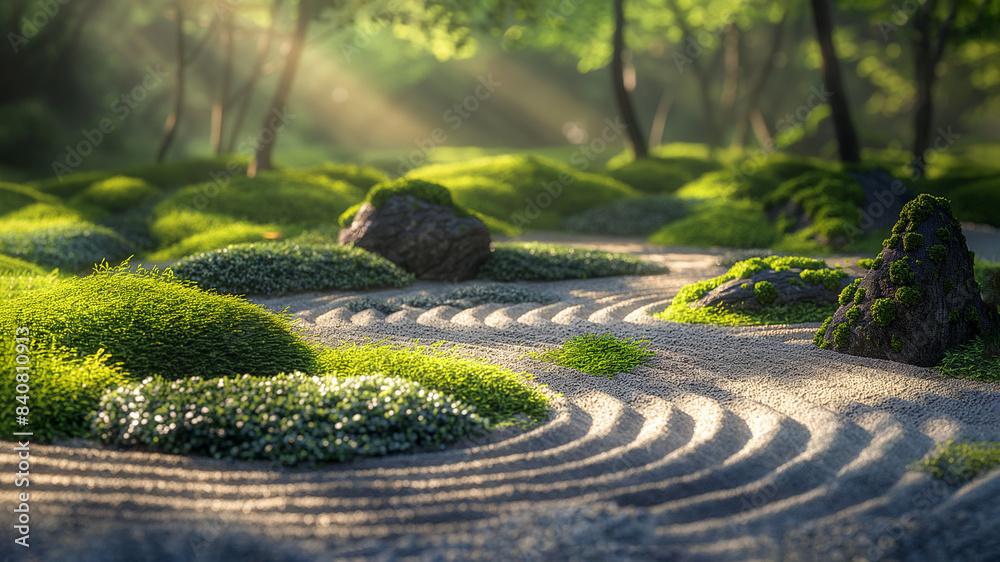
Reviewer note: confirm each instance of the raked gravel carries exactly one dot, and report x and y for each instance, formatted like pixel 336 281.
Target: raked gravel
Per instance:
pixel 731 444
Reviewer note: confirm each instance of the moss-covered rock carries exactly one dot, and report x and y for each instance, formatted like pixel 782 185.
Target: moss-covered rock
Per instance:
pixel 920 298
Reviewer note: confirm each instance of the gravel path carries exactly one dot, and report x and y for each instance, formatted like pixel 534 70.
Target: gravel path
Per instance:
pixel 732 444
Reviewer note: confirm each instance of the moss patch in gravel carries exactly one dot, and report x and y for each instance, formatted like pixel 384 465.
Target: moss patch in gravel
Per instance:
pixel 958 463
pixel 549 262
pixel 599 354
pixel 497 393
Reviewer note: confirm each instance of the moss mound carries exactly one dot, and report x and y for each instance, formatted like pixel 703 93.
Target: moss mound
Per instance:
pixel 65 243
pixel 359 176
pixel 818 210
pixel 733 224
pixel 640 216
pixel 166 176
pixel 685 305
pixel 527 191
pixel 115 195
pixel 15 196
pixel 14 266
pixel 290 418
pixel 661 175
pixel 978 201
pixel 497 393
pixel 958 463
pixel 153 324
pixel 549 262
pixel 63 390
pixel 287 267
pixel 599 354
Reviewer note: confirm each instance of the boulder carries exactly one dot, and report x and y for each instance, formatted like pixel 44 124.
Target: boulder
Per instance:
pixel 770 288
pixel 432 241
pixel 920 297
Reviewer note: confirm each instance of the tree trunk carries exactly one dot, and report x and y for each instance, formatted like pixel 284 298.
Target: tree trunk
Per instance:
pixel 275 117
pixel 170 127
pixel 221 106
pixel 622 96
pixel 757 89
pixel 659 123
pixel 246 92
pixel 847 138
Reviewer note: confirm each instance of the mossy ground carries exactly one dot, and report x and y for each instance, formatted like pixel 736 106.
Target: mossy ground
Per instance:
pixel 970 362
pixel 599 354
pixel 957 463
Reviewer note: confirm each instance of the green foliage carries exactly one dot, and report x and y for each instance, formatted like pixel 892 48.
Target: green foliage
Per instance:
pixel 884 311
pixel 908 296
pixel 866 263
pixel 498 394
pixel 17 284
pixel 524 190
pixel 467 296
pixel 430 192
pixel 841 335
pixel 969 361
pixel 853 315
pixel 599 354
pixel 291 419
pixel 765 292
pixel 219 237
pixel 819 338
pixel 661 175
pixel 152 324
pixel 288 267
pixel 683 307
pixel 829 278
pixel 831 201
pixel 849 292
pixel 359 176
pixel 15 266
pixel 912 241
pixel 115 195
pixel 896 343
pixel 63 389
pixel 640 216
pixel 859 296
pixel 900 272
pixel 957 463
pixel 729 224
pixel 549 262
pixel 60 242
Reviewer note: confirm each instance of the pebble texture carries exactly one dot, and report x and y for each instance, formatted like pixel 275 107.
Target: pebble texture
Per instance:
pixel 431 241
pixel 731 444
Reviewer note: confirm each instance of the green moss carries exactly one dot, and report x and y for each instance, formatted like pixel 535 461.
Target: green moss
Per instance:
pixel 765 292
pixel 360 176
pixel 853 315
pixel 909 296
pixel 937 252
pixel 220 237
pixel 866 263
pixel 896 343
pixel 879 260
pixel 288 267
pixel 958 463
pixel 640 216
pixel 943 234
pixel 884 311
pixel 653 175
pixel 152 324
pixel 599 354
pixel 549 262
pixel 14 266
pixel 423 190
pixel 497 393
pixel 841 335
pixel 116 194
pixel 913 241
pixel 830 200
pixel 819 338
pixel 900 272
pixel 848 293
pixel 15 196
pixel 829 278
pixel 978 201
pixel 64 390
pixel 859 296
pixel 739 224
pixel 892 241
pixel 66 243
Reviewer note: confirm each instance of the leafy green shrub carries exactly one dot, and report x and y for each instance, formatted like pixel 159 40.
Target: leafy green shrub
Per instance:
pixel 549 262
pixel 64 390
pixel 958 463
pixel 462 297
pixel 67 244
pixel 153 324
pixel 739 224
pixel 359 176
pixel 683 307
pixel 970 362
pixel 116 194
pixel 599 354
pixel 524 190
pixel 640 216
pixel 287 267
pixel 290 419
pixel 14 266
pixel 270 198
pixel 497 393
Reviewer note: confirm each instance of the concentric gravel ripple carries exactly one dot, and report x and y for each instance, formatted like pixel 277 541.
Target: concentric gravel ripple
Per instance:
pixel 732 444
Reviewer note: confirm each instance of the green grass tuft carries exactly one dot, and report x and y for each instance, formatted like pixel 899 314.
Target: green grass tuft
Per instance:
pixel 599 354
pixel 970 362
pixel 958 463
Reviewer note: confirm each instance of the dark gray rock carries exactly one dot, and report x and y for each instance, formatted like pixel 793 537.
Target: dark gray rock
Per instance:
pixel 787 288
pixel 920 297
pixel 431 241
pixel 885 196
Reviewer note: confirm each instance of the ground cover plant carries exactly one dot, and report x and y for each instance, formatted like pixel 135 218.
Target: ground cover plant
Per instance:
pixel 287 418
pixel 467 296
pixel 599 354
pixel 11 266
pixel 497 393
pixel 550 262
pixel 959 462
pixel 528 191
pixel 640 216
pixel 971 362
pixel 151 323
pixel 733 224
pixel 683 308
pixel 288 267
pixel 65 243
